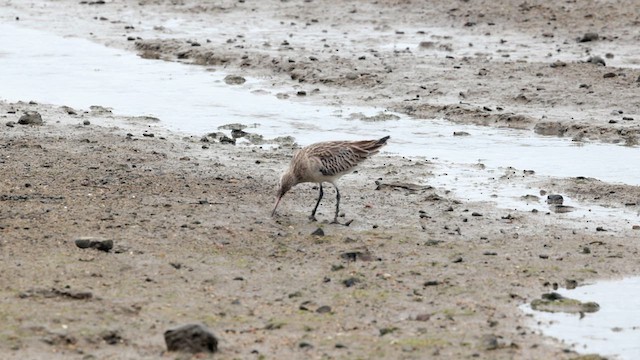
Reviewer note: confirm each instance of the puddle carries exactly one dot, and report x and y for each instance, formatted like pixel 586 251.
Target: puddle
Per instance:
pixel 513 189
pixel 614 330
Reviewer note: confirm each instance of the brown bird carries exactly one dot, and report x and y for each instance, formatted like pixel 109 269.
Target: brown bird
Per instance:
pixel 326 162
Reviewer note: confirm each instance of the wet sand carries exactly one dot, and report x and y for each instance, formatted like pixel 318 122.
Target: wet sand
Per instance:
pixel 194 242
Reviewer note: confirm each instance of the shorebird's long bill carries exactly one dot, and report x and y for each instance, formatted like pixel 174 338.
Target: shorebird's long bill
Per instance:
pixel 273 213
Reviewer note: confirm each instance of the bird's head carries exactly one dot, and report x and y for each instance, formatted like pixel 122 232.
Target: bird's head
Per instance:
pixel 287 181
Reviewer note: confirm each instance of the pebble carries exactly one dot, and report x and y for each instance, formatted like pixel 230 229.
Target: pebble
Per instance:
pixel 555 199
pixel 590 36
pixel 636 227
pixel 318 232
pixel 192 338
pixel 94 243
pixel 351 76
pixel 597 60
pixel 461 133
pixel 11 123
pixel 350 281
pixel 490 342
pixel 609 75
pixel 31 118
pixel 234 80
pixel 323 309
pixel 86 122
pixel 357 255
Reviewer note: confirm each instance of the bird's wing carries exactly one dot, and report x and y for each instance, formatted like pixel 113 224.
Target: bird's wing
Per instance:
pixel 338 157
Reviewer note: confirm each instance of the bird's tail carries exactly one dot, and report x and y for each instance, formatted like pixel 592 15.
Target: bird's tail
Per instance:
pixel 383 141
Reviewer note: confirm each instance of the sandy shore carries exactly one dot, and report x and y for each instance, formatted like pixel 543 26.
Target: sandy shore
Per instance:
pixel 193 239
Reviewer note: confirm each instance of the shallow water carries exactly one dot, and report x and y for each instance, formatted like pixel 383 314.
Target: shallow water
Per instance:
pixel 39 66
pixel 613 330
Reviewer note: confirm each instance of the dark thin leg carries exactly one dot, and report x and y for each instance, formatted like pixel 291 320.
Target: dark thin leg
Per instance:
pixel 313 213
pixel 335 218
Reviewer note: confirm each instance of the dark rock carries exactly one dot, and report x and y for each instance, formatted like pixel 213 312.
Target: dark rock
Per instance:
pixel 30 118
pixel 350 281
pixel 423 317
pixel 94 243
pixel 558 63
pixel 52 293
pixel 490 342
pixel 227 140
pixel 597 60
pixel 609 75
pixel 431 283
pixel 238 133
pixel 571 284
pixel 461 133
pixel 387 330
pixel 554 302
pixel 192 338
pixel 148 135
pixel 357 255
pixel 11 123
pixel 305 345
pixel 555 199
pixel 86 122
pixel 318 232
pixel 590 36
pixel 323 309
pixel 561 209
pixel 234 80
pixel 111 337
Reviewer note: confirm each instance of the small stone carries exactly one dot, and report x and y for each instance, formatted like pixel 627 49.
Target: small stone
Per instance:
pixel 636 227
pixel 590 36
pixel 148 135
pixel 318 232
pixel 461 133
pixel 301 93
pixel 227 140
pixel 490 342
pixel 387 330
pixel 86 122
pixel 609 75
pixel 558 63
pixel 423 317
pixel 555 199
pixel 30 118
pixel 597 60
pixel 457 259
pixel 351 76
pixel 571 284
pixel 11 124
pixel 323 309
pixel 431 283
pixel 94 243
pixel 350 281
pixel 234 80
pixel 192 338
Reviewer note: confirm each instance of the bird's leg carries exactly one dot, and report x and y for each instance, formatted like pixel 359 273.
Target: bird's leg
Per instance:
pixel 313 213
pixel 335 218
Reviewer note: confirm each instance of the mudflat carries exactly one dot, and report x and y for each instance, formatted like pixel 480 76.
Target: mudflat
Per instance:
pixel 418 273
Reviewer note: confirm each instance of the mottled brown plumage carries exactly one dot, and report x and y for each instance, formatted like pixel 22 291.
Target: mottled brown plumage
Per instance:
pixel 326 162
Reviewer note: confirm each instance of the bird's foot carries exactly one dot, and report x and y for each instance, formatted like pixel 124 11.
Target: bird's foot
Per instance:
pixel 312 218
pixel 347 223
